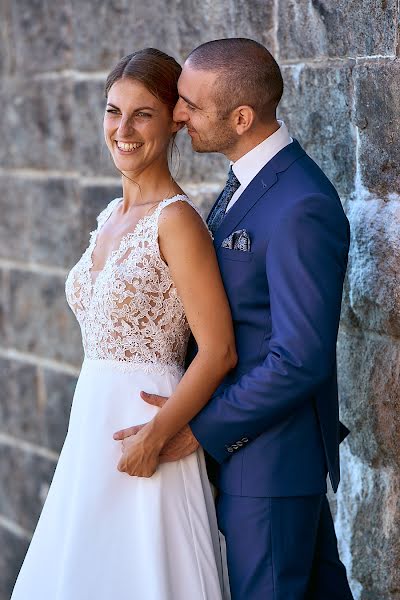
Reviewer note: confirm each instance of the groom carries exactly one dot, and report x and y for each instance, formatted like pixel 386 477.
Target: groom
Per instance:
pixel 281 236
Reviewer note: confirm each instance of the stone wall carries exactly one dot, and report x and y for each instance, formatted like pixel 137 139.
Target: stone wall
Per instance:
pixel 341 101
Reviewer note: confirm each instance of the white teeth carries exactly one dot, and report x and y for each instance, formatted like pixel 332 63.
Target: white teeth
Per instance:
pixel 128 147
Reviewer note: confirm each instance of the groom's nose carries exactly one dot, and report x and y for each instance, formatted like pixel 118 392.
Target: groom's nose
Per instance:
pixel 180 114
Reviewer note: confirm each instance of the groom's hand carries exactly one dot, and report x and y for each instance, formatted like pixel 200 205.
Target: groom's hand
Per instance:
pixel 182 444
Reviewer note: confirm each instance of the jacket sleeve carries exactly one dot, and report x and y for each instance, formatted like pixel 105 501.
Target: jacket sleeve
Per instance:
pixel 305 265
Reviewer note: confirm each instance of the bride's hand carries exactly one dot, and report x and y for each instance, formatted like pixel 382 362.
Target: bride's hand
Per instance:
pixel 140 453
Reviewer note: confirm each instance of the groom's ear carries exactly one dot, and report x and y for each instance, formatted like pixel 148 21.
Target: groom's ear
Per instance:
pixel 243 118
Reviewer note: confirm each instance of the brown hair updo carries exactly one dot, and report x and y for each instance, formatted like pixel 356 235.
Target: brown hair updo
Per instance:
pixel 157 71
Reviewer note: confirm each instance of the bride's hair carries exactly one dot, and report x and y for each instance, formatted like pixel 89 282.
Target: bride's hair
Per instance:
pixel 158 72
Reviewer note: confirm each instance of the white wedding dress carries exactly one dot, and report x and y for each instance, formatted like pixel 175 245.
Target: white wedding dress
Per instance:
pixel 102 534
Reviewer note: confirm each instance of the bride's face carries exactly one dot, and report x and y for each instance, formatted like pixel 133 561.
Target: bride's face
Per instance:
pixel 137 126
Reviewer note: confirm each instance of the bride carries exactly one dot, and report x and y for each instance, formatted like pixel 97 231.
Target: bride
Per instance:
pixel 144 530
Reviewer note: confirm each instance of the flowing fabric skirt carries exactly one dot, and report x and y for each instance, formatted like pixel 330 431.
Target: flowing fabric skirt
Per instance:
pixel 103 534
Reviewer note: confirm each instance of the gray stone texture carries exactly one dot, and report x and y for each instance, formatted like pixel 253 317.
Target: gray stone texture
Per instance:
pixel 377 90
pixel 28 478
pixel 368 518
pixel 343 28
pixel 317 107
pixel 373 275
pixel 35 128
pixel 13 550
pixel 35 403
pixel 341 101
pixel 41 35
pixel 38 320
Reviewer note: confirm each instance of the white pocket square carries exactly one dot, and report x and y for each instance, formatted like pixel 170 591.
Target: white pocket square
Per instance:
pixel 238 240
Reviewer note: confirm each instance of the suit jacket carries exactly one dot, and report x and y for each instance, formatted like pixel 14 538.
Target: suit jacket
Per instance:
pixel 272 427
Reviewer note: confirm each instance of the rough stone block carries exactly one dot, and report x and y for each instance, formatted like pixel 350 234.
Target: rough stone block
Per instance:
pixel 377 90
pixel 368 369
pixel 123 27
pixel 26 478
pixel 35 128
pixel 316 106
pixel 4 298
pixel 15 221
pixel 13 550
pixel 314 28
pixel 41 221
pixel 368 505
pixel 6 47
pixel 38 319
pixel 367 524
pixel 106 31
pixel 372 291
pixel 41 34
pixel 35 403
pixel 199 22
pixel 57 235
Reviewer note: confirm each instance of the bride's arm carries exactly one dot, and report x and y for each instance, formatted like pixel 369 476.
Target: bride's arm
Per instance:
pixel 187 248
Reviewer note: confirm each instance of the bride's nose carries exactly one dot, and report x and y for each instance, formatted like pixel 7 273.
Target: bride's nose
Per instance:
pixel 126 126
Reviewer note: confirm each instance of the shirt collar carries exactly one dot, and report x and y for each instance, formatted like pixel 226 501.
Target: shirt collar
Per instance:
pixel 247 167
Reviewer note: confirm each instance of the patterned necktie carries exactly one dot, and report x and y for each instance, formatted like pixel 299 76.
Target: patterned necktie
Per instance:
pixel 219 210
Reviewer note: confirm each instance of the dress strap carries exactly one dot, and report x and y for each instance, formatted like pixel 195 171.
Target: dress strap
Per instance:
pixel 177 198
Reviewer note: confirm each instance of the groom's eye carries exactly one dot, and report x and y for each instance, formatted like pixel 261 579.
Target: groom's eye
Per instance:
pixel 191 108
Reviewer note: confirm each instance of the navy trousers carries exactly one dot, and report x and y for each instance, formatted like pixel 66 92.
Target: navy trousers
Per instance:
pixel 282 549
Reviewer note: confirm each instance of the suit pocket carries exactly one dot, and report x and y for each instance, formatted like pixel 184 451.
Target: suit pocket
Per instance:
pixel 241 255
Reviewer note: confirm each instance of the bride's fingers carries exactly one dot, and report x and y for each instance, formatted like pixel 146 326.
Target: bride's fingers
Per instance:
pixel 124 433
pixel 153 399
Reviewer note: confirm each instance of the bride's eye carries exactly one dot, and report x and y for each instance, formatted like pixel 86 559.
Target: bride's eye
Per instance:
pixel 143 114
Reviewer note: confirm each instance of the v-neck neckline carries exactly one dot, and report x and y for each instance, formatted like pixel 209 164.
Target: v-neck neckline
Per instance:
pixel 126 236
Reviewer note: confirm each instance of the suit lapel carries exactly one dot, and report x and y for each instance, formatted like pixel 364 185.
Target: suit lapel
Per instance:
pixel 256 188
pixel 259 186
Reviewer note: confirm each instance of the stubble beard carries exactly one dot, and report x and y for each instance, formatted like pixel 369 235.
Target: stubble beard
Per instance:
pixel 221 141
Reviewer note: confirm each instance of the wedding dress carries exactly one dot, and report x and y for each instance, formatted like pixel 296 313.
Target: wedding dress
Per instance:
pixel 103 534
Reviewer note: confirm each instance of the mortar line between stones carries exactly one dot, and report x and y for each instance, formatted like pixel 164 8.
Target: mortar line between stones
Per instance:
pixel 332 60
pixel 13 442
pixel 37 361
pixel 73 74
pixel 45 174
pixel 15 265
pixel 14 528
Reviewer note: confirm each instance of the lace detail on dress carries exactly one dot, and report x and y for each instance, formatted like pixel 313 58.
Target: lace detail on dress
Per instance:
pixel 131 311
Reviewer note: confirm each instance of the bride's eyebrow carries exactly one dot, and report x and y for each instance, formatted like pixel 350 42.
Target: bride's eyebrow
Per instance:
pixel 136 109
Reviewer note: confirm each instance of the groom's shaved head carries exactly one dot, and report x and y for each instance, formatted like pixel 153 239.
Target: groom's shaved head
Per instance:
pixel 247 75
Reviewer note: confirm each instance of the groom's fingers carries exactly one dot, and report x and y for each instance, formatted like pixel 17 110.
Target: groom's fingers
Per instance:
pixel 124 433
pixel 153 399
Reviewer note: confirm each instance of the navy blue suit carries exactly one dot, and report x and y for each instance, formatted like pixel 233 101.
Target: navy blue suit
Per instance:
pixel 272 429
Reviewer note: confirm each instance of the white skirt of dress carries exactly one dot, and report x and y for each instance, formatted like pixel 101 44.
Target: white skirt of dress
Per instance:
pixel 103 534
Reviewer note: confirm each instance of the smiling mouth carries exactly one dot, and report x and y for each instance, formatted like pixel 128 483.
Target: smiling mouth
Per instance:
pixel 128 148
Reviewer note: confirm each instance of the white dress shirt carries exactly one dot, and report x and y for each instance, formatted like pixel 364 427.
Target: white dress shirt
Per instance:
pixel 247 167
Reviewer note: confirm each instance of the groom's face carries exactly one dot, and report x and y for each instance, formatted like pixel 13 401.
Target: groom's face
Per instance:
pixel 196 108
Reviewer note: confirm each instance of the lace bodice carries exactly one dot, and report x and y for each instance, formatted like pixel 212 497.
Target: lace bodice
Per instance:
pixel 130 311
